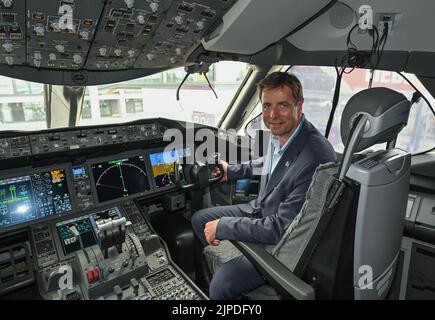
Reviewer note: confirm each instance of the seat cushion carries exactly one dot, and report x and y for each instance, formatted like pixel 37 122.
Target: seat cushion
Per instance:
pixel 218 255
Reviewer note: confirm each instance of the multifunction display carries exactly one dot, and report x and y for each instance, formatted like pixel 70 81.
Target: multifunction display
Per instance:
pixel 120 178
pixel 165 165
pixel 32 197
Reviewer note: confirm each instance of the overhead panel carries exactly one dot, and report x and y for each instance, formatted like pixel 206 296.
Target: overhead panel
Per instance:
pixel 60 32
pixel 181 30
pixel 12 32
pixel 82 37
pixel 125 27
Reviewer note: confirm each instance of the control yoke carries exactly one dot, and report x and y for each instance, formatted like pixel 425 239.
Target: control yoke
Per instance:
pixel 111 233
pixel 199 173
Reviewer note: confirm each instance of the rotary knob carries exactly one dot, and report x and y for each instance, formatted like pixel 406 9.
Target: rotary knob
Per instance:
pixel 9 60
pixel 200 25
pixel 4 144
pixel 102 51
pixel 60 48
pixel 154 7
pixel 129 3
pixel 8 47
pixel 178 19
pixel 77 58
pixel 7 3
pixel 84 35
pixel 140 19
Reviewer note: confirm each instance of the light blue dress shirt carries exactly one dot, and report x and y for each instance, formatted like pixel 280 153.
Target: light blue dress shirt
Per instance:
pixel 277 152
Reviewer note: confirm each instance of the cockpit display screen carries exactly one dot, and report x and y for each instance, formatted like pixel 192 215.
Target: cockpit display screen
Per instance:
pixel 33 197
pixel 70 242
pixel 164 164
pixel 81 232
pixel 120 178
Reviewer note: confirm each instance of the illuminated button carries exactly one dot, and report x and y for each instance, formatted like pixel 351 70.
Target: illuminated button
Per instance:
pixel 154 6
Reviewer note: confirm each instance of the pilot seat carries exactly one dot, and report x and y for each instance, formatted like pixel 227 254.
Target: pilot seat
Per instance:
pixel 345 241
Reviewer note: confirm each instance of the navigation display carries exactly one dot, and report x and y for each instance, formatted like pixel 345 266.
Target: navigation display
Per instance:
pixel 164 164
pixel 33 197
pixel 120 178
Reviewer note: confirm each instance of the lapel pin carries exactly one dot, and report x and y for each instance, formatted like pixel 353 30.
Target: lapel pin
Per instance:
pixel 287 164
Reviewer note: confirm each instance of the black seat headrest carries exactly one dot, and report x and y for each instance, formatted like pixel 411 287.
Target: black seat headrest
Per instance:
pixel 387 112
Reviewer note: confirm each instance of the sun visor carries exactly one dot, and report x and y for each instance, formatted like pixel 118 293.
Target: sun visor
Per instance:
pixel 251 25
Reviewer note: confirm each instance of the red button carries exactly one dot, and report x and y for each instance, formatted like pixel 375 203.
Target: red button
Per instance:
pixel 96 274
pixel 90 275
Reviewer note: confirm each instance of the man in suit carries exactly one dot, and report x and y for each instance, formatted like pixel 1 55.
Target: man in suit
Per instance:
pixel 296 149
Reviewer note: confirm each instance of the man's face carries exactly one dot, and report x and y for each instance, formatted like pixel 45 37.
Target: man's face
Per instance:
pixel 280 114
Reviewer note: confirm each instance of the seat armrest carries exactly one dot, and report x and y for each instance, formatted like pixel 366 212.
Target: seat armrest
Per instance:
pixel 279 277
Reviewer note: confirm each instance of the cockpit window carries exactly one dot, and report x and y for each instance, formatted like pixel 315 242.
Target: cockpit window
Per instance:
pixel 318 86
pixel 155 96
pixel 22 105
pixel 418 136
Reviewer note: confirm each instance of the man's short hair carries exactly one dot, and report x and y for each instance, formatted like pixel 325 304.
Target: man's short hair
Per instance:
pixel 279 79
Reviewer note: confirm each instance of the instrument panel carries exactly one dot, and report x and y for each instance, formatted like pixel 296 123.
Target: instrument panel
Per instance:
pixel 61 141
pixel 39 194
pixel 34 196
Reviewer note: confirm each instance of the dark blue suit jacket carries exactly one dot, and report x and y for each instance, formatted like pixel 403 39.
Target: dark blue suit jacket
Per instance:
pixel 281 195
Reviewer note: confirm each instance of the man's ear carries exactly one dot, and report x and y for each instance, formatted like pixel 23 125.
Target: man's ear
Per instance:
pixel 297 112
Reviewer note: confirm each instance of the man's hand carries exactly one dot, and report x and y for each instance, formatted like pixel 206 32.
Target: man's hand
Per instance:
pixel 210 232
pixel 217 171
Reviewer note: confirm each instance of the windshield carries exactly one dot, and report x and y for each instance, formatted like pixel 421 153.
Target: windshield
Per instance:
pixel 21 102
pixel 148 97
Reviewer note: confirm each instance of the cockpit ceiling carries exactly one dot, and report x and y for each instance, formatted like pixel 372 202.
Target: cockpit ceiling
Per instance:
pixel 127 38
pixel 410 27
pixel 83 42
